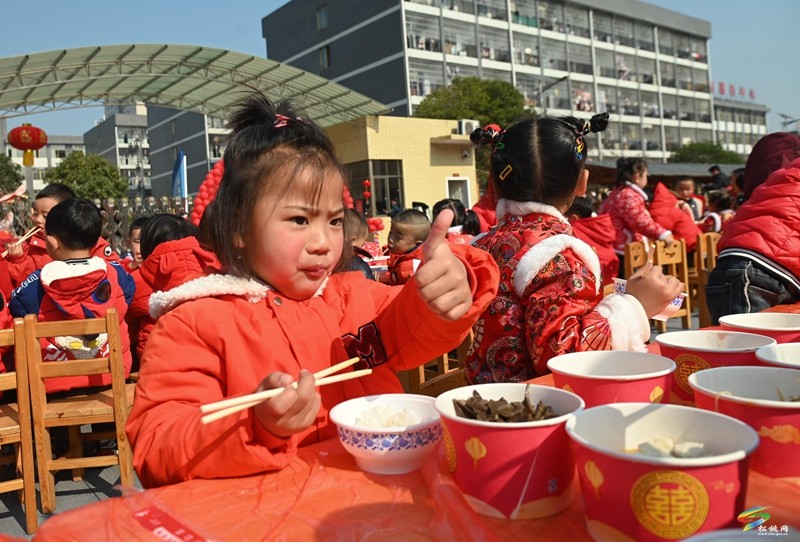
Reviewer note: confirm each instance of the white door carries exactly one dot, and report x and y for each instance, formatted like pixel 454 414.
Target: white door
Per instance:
pixel 458 188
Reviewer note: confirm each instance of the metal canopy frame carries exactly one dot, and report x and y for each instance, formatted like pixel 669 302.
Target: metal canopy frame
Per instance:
pixel 187 77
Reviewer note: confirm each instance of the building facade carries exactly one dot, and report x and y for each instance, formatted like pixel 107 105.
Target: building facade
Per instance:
pixel 647 66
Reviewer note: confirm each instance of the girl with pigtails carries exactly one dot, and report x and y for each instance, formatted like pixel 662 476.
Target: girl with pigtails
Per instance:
pixel 549 300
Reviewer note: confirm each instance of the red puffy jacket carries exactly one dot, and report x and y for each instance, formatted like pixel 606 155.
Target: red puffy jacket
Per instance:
pixel 664 210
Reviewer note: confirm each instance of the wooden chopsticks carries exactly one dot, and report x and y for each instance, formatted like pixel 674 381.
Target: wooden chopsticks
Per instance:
pixel 226 407
pixel 30 233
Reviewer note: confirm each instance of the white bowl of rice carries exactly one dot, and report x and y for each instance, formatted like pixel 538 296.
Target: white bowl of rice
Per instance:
pixel 388 434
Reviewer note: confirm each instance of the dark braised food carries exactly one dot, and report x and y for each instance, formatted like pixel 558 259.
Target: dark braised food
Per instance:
pixel 501 411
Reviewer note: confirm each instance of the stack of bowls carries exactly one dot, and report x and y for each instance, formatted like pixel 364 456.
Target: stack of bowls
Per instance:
pixel 783 327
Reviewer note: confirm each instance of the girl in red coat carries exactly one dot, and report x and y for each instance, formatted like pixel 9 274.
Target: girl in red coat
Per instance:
pixel 279 313
pixel 550 297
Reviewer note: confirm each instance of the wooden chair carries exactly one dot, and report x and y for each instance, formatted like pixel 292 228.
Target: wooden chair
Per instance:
pixel 76 410
pixel 635 257
pixel 706 259
pixel 672 259
pixel 441 374
pixel 15 427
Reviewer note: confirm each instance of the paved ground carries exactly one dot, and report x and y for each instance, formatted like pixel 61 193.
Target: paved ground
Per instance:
pixel 98 484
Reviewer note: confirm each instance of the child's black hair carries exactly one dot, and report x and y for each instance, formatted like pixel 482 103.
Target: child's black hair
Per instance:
pixel 418 220
pixel 582 206
pixel 539 159
pixel 75 222
pixel 355 225
pixel 162 228
pixel 56 191
pixel 628 167
pixel 269 146
pixel 459 211
pixel 721 200
pixel 682 178
pixel 472 224
pixel 137 224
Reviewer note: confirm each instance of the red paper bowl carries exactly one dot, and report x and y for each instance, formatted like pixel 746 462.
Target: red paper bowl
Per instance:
pixel 752 395
pixel 511 470
pixel 608 376
pixel 705 348
pixel 784 328
pixel 629 497
pixel 780 355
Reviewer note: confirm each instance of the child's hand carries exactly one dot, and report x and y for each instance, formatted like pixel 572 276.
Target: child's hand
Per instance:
pixel 293 410
pixel 442 278
pixel 15 250
pixel 653 288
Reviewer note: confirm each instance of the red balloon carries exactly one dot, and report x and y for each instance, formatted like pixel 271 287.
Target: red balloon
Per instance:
pixel 366 194
pixel 367 184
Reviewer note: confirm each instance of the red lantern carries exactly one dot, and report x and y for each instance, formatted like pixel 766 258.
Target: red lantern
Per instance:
pixel 367 194
pixel 27 138
pixel 367 184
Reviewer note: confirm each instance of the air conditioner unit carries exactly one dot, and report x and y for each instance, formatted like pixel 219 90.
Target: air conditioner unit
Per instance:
pixel 466 126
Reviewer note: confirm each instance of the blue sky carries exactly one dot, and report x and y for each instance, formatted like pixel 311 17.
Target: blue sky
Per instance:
pixel 754 42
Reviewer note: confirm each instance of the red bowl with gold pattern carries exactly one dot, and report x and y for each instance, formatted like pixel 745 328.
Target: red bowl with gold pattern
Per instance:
pixel 629 496
pixel 783 327
pixel 703 349
pixel 609 376
pixel 519 470
pixel 765 398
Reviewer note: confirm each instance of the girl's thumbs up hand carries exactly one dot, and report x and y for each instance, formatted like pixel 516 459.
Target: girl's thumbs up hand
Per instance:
pixel 442 278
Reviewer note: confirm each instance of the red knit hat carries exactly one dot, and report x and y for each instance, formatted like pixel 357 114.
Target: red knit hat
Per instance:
pixel 771 153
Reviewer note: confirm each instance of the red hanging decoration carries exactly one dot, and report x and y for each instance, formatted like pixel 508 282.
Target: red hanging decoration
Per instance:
pixel 367 184
pixel 27 138
pixel 367 194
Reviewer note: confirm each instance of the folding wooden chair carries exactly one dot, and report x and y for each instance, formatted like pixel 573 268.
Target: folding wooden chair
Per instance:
pixel 15 427
pixel 635 257
pixel 76 410
pixel 672 259
pixel 706 259
pixel 439 375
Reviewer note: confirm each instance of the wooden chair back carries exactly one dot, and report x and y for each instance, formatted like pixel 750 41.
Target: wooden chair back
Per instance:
pixel 15 426
pixel 635 257
pixel 109 406
pixel 441 374
pixel 672 259
pixel 706 259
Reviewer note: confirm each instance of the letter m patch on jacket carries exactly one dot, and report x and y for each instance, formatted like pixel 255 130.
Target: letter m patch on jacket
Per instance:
pixel 366 345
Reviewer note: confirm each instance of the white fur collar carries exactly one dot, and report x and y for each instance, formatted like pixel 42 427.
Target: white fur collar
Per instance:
pixel 539 255
pixel 211 286
pixel 637 190
pixel 522 208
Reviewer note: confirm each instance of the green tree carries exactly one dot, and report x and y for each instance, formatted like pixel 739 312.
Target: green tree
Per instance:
pixel 10 175
pixel 705 152
pixel 90 176
pixel 485 100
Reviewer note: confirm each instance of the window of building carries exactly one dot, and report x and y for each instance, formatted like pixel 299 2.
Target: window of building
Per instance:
pixel 423 33
pixel 493 9
pixel 325 57
pixel 459 38
pixel 686 108
pixel 602 26
pixel 684 74
pixel 667 69
pixel 551 16
pixel 643 33
pixel 698 48
pixel 629 101
pixel 651 135
pixel 688 135
pixel 607 99
pixel 580 58
pixel 387 182
pixel 524 12
pixel 425 76
pixel 61 153
pixel 666 43
pixel 610 136
pixel 650 104
pixel 646 68
pixel 670 102
pixel 623 31
pixel 494 44
pixel 577 20
pixel 605 66
pixel 322 17
pixel 626 67
pixel 703 108
pixel 703 134
pixel 631 136
pixel 683 46
pixel 700 78
pixel 554 54
pixel 526 49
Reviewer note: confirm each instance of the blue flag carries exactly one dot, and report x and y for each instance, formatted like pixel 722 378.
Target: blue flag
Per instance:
pixel 179 176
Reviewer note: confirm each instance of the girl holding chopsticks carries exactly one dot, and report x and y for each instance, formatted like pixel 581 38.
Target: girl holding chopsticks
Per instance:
pixel 30 252
pixel 280 313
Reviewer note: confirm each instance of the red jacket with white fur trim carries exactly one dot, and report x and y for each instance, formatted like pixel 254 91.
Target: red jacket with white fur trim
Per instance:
pixel 549 301
pixel 222 335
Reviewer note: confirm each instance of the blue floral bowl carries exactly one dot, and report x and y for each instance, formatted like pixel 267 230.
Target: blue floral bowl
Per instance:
pixel 390 433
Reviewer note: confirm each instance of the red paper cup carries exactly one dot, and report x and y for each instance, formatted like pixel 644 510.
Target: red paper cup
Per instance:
pixel 780 355
pixel 784 328
pixel 608 376
pixel 705 348
pixel 750 394
pixel 632 497
pixel 511 470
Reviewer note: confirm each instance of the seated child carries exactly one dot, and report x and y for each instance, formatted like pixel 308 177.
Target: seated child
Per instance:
pixel 172 255
pixel 357 231
pixel 75 285
pixel 409 230
pixel 278 313
pixel 719 211
pixel 598 232
pixel 27 258
pixel 549 300
pixel 665 211
pixel 688 200
pixel 466 224
pixel 134 258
